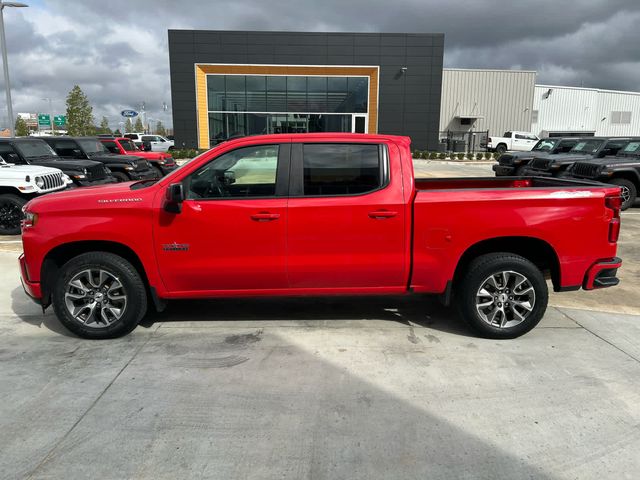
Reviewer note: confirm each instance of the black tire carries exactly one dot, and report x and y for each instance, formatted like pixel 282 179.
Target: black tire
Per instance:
pixel 629 191
pixel 120 177
pixel 132 287
pixel 475 280
pixel 11 213
pixel 501 148
pixel 171 148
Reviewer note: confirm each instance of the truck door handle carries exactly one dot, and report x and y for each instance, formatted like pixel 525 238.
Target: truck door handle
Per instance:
pixel 265 217
pixel 382 214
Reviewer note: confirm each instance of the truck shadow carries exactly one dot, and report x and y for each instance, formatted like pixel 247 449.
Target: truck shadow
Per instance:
pixel 414 310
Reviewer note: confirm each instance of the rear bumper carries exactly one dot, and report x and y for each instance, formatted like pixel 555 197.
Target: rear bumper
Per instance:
pixel 32 289
pixel 602 274
pixel 504 170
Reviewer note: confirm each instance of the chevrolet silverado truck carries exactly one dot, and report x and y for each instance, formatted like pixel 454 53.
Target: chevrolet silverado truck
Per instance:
pixel 19 184
pixel 317 214
pixel 585 150
pixel 513 163
pixel 161 161
pixel 512 141
pixel 34 151
pixel 123 167
pixel 622 170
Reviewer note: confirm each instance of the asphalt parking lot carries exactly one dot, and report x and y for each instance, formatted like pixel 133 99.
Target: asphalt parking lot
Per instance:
pixel 325 388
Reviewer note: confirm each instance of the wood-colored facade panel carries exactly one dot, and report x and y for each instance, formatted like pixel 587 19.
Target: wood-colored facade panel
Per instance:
pixel 202 70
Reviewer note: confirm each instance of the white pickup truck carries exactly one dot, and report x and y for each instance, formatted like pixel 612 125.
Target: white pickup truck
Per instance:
pixel 21 183
pixel 514 141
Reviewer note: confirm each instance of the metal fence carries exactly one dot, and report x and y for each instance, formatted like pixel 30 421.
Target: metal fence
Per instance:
pixel 452 141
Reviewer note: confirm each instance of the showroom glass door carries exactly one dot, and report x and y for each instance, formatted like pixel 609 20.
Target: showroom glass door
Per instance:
pixel 359 124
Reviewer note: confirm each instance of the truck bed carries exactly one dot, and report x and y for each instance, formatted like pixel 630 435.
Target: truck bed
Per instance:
pixel 501 183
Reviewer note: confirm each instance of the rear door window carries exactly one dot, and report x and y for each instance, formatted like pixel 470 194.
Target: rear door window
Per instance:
pixel 341 169
pixel 65 148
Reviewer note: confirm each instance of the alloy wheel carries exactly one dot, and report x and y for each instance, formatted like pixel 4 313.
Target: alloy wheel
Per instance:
pixel 505 299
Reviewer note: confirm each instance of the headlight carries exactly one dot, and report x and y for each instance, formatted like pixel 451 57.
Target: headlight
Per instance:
pixel 129 168
pixel 39 182
pixel 79 177
pixel 85 171
pixel 29 219
pixel 66 179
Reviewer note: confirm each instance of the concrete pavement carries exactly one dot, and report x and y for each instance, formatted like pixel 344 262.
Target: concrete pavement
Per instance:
pixel 323 389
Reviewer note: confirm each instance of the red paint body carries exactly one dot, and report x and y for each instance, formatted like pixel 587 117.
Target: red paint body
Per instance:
pixel 408 236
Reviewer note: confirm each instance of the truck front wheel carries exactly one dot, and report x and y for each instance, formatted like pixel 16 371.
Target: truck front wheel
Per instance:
pixel 10 213
pixel 629 191
pixel 99 295
pixel 501 148
pixel 502 295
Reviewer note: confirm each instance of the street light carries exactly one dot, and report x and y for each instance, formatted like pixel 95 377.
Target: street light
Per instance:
pixel 7 86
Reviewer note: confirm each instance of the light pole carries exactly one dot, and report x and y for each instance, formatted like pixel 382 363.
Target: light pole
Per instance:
pixel 7 86
pixel 50 115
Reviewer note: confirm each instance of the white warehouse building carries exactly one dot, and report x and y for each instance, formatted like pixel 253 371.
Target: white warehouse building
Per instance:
pixel 475 103
pixel 571 111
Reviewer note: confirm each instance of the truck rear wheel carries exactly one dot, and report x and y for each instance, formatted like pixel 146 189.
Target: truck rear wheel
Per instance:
pixel 502 295
pixel 99 295
pixel 501 148
pixel 629 191
pixel 10 213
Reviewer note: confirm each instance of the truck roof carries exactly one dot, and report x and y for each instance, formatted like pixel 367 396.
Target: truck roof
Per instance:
pixel 329 136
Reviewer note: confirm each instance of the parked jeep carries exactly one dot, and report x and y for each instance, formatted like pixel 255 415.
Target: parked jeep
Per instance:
pixel 584 150
pixel 21 183
pixel 513 163
pixel 35 151
pixel 123 167
pixel 622 170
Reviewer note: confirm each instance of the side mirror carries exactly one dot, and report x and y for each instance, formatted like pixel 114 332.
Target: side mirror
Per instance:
pixel 174 197
pixel 13 158
pixel 77 153
pixel 229 177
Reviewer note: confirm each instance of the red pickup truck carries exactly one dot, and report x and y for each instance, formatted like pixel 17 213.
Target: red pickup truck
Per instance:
pixel 317 214
pixel 163 162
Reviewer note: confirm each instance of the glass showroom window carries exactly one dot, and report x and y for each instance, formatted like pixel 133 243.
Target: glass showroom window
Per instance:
pixel 242 105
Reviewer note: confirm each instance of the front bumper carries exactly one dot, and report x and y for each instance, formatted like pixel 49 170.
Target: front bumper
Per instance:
pixel 148 174
pixel 504 170
pixel 529 172
pixel 92 183
pixel 602 274
pixel 32 289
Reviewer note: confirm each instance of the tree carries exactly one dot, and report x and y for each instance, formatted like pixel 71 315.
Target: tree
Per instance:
pixel 104 126
pixel 138 127
pixel 117 132
pixel 128 126
pixel 160 130
pixel 22 130
pixel 79 113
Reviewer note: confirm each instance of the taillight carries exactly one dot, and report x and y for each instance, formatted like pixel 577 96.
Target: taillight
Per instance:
pixel 614 202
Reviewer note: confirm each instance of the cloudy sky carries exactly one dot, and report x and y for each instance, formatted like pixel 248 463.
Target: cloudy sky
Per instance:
pixel 117 50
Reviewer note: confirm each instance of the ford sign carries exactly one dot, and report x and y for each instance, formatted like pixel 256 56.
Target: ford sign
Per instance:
pixel 129 113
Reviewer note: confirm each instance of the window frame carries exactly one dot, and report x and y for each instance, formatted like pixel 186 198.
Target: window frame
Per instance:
pixel 282 174
pixel 296 177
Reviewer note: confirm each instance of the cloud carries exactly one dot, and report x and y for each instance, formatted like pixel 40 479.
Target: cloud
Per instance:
pixel 117 52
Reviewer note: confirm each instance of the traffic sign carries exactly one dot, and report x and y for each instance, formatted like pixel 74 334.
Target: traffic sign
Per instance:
pixel 59 120
pixel 129 113
pixel 44 119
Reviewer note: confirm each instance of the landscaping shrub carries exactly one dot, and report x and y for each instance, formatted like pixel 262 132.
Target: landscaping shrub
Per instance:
pixel 461 156
pixel 479 156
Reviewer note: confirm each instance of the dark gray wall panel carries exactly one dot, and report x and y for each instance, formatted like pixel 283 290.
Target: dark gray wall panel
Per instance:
pixel 408 103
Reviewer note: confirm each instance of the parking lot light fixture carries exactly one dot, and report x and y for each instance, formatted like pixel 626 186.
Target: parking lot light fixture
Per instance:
pixel 7 86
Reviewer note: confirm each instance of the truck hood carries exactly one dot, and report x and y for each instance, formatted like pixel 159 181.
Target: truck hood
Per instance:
pixel 11 171
pixel 564 158
pixel 88 199
pixel 113 159
pixel 511 157
pixel 63 164
pixel 612 161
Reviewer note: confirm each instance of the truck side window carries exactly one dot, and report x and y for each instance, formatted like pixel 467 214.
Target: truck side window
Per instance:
pixel 245 172
pixel 5 151
pixel 111 146
pixel 341 169
pixel 65 148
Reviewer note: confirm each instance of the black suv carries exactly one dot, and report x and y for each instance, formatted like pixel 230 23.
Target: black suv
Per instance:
pixel 584 150
pixel 622 170
pixel 513 163
pixel 123 167
pixel 34 151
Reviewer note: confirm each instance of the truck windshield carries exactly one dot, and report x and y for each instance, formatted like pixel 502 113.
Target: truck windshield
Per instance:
pixel 36 148
pixel 545 144
pixel 92 146
pixel 589 146
pixel 632 148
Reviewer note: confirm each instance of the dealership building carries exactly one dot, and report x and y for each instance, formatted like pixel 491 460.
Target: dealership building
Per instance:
pixel 226 84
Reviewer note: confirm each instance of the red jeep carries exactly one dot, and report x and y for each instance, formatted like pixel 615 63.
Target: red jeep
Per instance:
pixel 164 162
